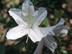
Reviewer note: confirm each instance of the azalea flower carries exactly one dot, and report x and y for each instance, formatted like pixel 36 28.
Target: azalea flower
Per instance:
pixel 28 21
pixel 49 41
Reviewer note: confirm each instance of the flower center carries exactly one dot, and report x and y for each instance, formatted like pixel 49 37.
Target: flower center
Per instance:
pixel 30 26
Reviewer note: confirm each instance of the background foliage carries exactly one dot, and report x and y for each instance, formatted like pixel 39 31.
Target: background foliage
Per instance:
pixel 56 9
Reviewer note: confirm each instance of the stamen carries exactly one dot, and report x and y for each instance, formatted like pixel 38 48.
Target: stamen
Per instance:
pixel 30 25
pixel 27 39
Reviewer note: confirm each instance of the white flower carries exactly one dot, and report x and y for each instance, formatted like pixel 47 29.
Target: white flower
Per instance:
pixel 49 41
pixel 28 21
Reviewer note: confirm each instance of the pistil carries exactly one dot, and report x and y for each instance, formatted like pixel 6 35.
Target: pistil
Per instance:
pixel 27 39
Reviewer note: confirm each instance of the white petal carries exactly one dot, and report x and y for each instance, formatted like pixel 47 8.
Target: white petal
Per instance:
pixel 64 31
pixel 50 43
pixel 28 6
pixel 17 16
pixel 17 32
pixel 40 15
pixel 28 11
pixel 60 29
pixel 49 30
pixel 35 34
pixel 61 21
pixel 39 48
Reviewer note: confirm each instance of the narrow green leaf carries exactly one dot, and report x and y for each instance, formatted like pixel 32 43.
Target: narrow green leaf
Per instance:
pixel 58 13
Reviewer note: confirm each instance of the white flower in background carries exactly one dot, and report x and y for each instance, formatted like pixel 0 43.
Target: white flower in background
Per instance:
pixel 28 21
pixel 49 41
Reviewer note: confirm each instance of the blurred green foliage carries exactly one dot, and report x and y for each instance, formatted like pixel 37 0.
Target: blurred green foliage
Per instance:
pixel 2 49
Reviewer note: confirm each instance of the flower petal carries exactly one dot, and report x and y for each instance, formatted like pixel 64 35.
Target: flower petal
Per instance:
pixel 17 32
pixel 48 30
pixel 50 43
pixel 39 48
pixel 64 31
pixel 40 15
pixel 17 16
pixel 28 6
pixel 35 34
pixel 28 11
pixel 60 29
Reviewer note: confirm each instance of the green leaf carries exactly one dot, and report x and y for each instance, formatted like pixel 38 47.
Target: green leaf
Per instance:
pixel 45 23
pixel 2 49
pixel 35 2
pixel 64 51
pixel 58 13
pixel 52 5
